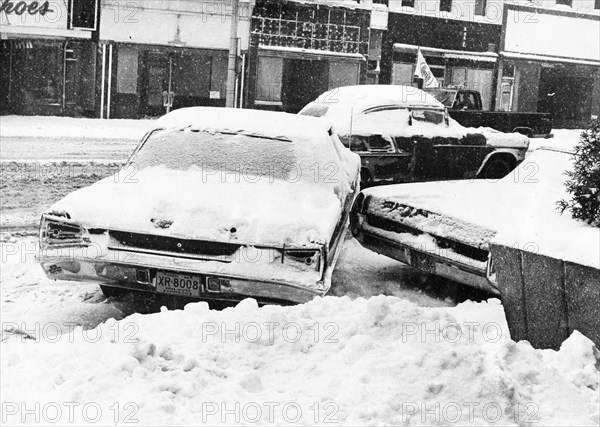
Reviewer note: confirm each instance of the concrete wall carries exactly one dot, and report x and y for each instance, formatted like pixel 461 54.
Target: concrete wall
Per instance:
pixel 545 299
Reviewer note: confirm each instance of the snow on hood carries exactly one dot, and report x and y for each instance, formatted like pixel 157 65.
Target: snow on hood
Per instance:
pixel 381 361
pixel 520 209
pixel 203 206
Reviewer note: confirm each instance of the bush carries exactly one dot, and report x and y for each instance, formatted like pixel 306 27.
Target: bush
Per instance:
pixel 584 181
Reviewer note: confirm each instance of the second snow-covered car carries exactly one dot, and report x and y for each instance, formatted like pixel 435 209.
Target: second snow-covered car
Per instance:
pixel 214 203
pixel 404 134
pixel 444 228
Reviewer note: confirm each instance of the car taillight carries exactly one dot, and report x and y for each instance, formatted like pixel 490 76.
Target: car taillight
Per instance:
pixel 302 258
pixel 58 232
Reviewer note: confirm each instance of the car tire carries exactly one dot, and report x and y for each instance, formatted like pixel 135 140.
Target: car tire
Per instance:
pixel 111 291
pixel 496 169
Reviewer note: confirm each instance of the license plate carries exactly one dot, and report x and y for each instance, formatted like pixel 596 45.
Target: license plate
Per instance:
pixel 178 284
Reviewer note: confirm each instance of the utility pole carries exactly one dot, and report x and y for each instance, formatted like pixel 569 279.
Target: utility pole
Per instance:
pixel 231 66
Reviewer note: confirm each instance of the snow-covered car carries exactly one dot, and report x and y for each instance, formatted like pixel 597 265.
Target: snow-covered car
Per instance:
pixel 404 134
pixel 444 228
pixel 216 204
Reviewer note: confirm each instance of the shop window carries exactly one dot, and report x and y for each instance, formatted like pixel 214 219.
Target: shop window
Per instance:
pixel 375 41
pixel 83 14
pixel 408 3
pixel 343 74
pixel 41 81
pixel 446 5
pixel 191 75
pixel 127 70
pixel 565 2
pixel 403 74
pixel 268 85
pixel 480 6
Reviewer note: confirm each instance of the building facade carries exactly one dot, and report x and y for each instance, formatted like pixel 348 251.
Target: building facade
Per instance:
pixel 300 49
pixel 147 73
pixel 123 59
pixel 48 57
pixel 550 62
pixel 521 55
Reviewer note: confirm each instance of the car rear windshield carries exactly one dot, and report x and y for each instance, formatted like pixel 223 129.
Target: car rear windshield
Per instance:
pixel 236 152
pixel 315 109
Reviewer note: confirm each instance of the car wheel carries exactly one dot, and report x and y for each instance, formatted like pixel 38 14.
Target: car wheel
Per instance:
pixel 496 169
pixel 111 291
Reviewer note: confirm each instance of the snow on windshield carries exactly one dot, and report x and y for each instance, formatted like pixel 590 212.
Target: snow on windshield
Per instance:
pixel 187 147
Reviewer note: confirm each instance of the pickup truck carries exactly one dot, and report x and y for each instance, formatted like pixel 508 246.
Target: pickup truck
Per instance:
pixel 465 107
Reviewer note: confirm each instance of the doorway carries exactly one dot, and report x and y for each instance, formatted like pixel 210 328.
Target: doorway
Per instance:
pixel 158 81
pixel 303 81
pixel 566 94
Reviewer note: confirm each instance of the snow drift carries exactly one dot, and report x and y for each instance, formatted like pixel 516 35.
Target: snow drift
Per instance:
pixel 333 360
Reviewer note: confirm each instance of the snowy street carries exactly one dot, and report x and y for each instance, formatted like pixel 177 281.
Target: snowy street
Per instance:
pixel 389 345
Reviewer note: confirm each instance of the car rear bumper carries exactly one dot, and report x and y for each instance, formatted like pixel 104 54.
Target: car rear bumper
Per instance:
pixel 140 273
pixel 428 262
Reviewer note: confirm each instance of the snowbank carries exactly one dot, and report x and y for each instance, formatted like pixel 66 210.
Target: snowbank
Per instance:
pixel 362 362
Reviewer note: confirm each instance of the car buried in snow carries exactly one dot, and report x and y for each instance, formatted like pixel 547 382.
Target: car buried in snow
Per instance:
pixel 404 134
pixel 213 204
pixel 444 228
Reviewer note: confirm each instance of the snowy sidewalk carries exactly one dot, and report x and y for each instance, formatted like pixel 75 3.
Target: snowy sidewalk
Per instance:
pixel 69 127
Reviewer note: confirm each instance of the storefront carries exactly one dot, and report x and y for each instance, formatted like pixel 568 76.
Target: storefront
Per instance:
pixel 458 52
pixel 299 51
pixel 148 73
pixel 541 70
pixel 48 60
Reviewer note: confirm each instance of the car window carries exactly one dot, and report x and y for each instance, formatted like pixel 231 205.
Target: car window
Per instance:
pixel 446 97
pixel 355 142
pixel 435 117
pixel 386 116
pixel 379 143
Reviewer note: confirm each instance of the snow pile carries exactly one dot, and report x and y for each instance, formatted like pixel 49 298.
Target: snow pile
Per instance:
pixel 376 361
pixel 521 208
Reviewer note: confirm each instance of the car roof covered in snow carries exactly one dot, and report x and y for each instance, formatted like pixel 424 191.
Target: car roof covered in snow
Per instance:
pixel 270 124
pixel 367 96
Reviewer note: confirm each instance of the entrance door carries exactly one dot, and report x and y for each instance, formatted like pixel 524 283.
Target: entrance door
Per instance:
pixel 158 80
pixel 303 81
pixel 565 93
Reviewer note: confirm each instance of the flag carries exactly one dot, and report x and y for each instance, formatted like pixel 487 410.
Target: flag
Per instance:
pixel 423 71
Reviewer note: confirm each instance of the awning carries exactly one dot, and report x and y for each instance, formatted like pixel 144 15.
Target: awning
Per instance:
pixel 447 53
pixel 545 58
pixel 299 53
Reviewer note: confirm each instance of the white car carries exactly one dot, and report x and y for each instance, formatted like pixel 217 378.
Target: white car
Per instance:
pixel 404 134
pixel 444 228
pixel 215 204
